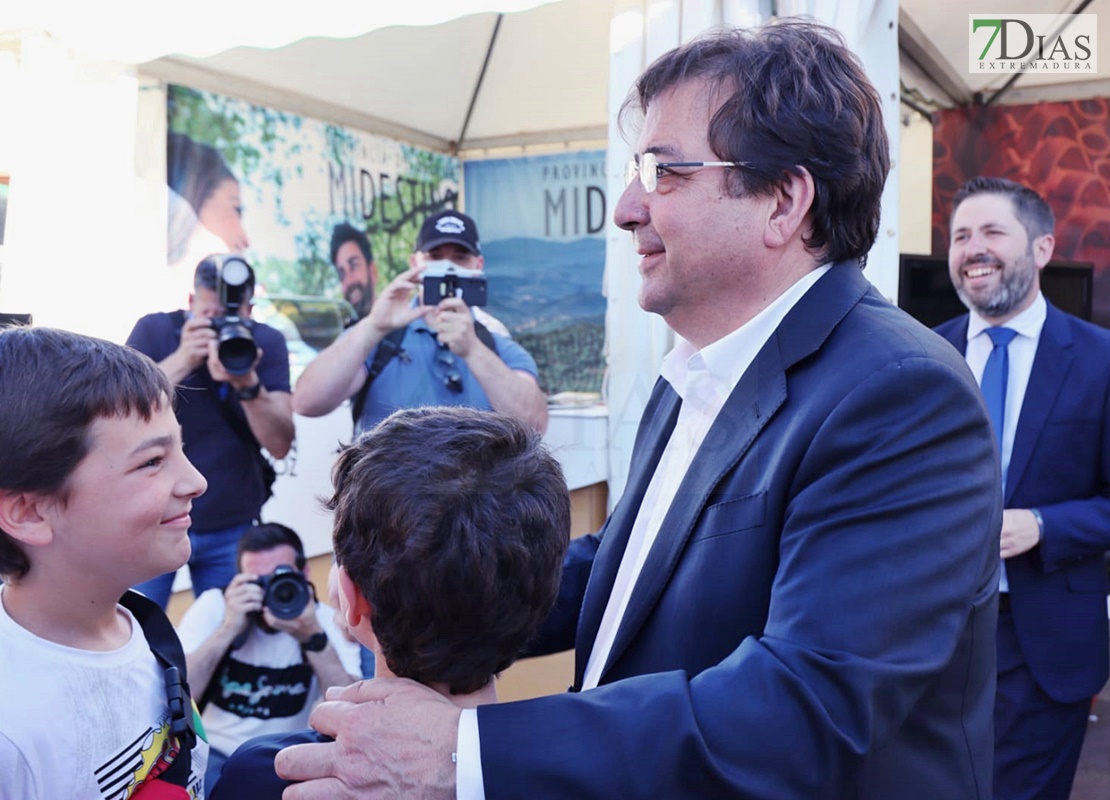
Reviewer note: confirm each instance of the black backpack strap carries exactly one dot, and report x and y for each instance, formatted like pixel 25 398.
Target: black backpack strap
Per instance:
pixel 387 349
pixel 166 647
pixel 484 336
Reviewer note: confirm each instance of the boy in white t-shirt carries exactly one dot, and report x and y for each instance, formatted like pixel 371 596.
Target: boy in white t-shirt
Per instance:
pixel 95 493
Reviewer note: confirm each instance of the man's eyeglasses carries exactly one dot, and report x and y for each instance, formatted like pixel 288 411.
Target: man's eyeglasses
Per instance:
pixel 649 168
pixel 446 362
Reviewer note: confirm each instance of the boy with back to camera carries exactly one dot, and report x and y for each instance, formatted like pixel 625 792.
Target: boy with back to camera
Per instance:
pixel 450 529
pixel 95 495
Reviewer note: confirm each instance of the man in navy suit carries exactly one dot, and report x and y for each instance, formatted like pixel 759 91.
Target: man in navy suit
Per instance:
pixel 796 595
pixel 1055 447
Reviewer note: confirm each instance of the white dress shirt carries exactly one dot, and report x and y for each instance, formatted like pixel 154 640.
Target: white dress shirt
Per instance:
pixel 1022 349
pixel 703 379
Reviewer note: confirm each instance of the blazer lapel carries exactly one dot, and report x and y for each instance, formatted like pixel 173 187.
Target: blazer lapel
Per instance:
pixel 760 393
pixel 655 429
pixel 1051 363
pixel 758 396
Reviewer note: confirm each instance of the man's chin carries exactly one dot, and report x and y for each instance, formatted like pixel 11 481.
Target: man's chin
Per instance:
pixel 360 301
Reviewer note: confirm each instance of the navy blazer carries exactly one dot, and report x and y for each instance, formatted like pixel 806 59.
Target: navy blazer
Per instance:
pixel 1061 466
pixel 816 618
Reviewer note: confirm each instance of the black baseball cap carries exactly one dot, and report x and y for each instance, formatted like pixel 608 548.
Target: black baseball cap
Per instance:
pixel 449 227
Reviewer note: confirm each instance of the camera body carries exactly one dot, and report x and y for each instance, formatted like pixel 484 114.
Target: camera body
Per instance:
pixel 235 344
pixel 444 279
pixel 286 592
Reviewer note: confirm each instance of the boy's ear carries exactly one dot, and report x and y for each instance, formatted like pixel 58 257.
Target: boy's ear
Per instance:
pixel 21 518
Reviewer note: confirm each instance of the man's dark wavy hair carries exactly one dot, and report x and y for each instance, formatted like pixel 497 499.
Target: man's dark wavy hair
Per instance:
pixel 265 536
pixel 345 232
pixel 791 95
pixel 453 524
pixel 53 385
pixel 1029 207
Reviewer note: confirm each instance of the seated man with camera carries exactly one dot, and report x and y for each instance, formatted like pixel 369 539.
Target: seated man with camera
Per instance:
pixel 262 652
pixel 232 380
pixel 406 353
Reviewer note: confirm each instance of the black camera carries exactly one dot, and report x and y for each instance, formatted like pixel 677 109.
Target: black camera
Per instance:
pixel 235 345
pixel 444 279
pixel 286 592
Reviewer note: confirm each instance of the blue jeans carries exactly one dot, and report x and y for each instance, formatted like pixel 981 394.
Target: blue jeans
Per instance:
pixel 212 564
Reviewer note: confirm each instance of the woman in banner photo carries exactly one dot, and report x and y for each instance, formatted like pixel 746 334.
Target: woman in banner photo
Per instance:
pixel 205 209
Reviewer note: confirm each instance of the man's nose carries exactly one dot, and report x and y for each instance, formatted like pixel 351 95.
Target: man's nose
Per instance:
pixel 631 210
pixel 976 245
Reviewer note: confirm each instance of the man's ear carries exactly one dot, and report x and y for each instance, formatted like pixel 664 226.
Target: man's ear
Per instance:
pixel 355 607
pixel 1042 249
pixel 792 198
pixel 373 272
pixel 22 518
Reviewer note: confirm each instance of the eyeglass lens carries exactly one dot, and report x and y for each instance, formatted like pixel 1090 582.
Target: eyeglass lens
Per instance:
pixel 647 168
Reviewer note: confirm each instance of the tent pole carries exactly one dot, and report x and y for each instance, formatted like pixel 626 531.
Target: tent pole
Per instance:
pixel 478 85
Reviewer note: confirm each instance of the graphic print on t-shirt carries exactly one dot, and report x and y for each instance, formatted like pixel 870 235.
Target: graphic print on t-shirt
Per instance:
pixel 145 758
pixel 247 690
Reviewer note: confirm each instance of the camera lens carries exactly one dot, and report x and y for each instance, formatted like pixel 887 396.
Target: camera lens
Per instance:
pixel 287 593
pixel 236 348
pixel 284 593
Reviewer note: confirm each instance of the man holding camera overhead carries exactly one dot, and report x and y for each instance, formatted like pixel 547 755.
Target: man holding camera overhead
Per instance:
pixel 404 354
pixel 233 397
pixel 261 653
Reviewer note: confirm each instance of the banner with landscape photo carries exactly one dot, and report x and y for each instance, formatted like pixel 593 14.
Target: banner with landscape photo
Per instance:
pixel 543 221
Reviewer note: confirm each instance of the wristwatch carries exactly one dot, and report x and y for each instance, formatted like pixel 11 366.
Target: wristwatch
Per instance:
pixel 1040 523
pixel 250 392
pixel 315 643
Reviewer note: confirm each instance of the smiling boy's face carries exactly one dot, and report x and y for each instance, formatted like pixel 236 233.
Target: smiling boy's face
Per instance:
pixel 126 515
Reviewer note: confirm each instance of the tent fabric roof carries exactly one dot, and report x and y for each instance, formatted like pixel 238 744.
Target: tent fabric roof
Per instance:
pixel 546 80
pixel 411 70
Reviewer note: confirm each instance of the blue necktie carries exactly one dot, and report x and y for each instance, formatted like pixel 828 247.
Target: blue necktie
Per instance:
pixel 995 374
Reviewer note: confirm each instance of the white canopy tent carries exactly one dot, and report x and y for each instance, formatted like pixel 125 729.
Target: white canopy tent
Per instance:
pixel 86 153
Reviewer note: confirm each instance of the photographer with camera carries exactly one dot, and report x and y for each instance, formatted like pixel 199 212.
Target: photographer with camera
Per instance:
pixel 233 397
pixel 262 652
pixel 406 353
